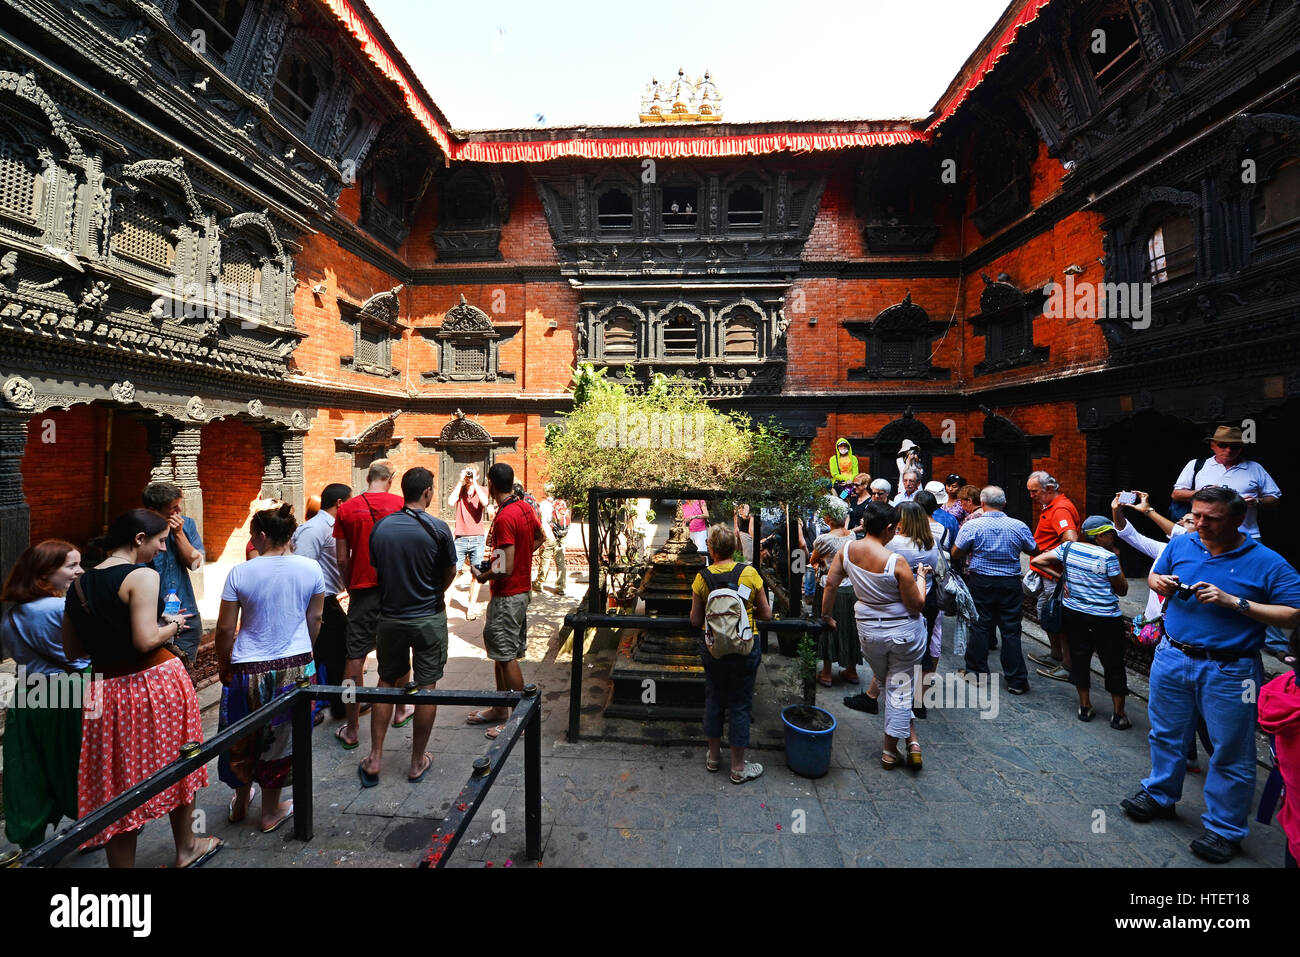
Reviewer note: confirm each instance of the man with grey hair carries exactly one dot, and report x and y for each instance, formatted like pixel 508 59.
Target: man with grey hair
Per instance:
pixel 1058 522
pixel 994 545
pixel 909 485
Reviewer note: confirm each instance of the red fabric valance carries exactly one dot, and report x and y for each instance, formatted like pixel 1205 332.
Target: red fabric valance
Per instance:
pixel 999 49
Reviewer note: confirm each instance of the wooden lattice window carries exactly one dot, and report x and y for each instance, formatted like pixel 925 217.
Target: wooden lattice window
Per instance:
pixel 241 268
pixel 141 232
pixel 1278 212
pixel 614 210
pixel 218 19
pixel 296 89
pixel 620 339
pixel 896 355
pixel 1171 250
pixel 681 339
pixel 741 338
pixel 20 183
pixel 371 345
pixel 469 361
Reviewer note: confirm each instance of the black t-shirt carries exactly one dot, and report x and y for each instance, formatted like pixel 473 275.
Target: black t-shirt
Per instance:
pixel 411 552
pixel 856 512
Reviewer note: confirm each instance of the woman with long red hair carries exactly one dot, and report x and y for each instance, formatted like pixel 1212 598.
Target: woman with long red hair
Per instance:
pixel 42 730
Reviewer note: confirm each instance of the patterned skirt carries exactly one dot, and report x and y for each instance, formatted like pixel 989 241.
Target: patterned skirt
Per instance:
pixel 132 727
pixel 266 755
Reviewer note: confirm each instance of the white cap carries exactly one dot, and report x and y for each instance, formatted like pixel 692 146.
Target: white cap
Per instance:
pixel 937 489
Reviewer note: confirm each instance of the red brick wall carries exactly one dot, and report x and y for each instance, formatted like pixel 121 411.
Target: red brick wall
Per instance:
pixel 230 474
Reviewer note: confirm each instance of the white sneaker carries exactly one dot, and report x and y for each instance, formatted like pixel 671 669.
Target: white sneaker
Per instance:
pixel 752 770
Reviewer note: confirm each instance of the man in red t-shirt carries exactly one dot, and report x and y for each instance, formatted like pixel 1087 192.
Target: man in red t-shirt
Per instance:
pixel 1058 521
pixel 356 517
pixel 516 534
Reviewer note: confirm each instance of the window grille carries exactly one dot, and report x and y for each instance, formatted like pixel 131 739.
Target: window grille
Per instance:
pixel 370 346
pixel 469 361
pixel 140 232
pixel 18 184
pixel 896 355
pixel 240 269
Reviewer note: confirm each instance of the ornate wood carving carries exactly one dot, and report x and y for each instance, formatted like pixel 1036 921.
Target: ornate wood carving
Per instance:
pixel 898 344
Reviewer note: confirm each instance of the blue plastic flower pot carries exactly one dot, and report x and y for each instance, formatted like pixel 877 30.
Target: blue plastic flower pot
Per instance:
pixel 808 753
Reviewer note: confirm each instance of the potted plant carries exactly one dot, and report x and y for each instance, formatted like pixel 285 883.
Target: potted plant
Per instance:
pixel 809 730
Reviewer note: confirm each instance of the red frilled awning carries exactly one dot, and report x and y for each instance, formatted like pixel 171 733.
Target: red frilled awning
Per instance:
pixel 1001 47
pixel 677 147
pixel 658 147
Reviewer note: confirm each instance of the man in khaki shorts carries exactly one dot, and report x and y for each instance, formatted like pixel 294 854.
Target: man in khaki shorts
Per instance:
pixel 516 534
pixel 414 557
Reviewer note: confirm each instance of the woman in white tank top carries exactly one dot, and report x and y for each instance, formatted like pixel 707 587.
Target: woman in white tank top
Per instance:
pixel 889 605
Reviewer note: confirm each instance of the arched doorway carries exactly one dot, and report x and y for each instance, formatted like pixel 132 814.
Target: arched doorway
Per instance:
pixel 884 450
pixel 1011 453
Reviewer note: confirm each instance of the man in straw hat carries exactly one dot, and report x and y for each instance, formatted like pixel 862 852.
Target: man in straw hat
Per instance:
pixel 1229 466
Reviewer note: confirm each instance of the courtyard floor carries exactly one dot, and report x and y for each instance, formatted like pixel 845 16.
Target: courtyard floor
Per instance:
pixel 1032 786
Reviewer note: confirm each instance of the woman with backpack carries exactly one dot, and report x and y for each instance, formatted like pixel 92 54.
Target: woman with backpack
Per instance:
pixel 888 612
pixel 727 597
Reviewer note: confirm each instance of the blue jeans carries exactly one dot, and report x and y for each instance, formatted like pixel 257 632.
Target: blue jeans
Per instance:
pixel 1181 687
pixel 471 546
pixel 998 600
pixel 729 687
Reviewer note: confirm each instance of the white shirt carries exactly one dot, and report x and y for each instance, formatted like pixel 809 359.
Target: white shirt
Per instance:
pixel 1247 477
pixel 273 594
pixel 314 539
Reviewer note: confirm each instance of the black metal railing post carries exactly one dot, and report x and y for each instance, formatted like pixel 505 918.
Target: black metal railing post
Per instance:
pixel 533 776
pixel 302 782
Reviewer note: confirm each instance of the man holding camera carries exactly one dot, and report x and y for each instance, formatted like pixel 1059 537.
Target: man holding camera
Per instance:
pixel 1223 589
pixel 470 500
pixel 516 534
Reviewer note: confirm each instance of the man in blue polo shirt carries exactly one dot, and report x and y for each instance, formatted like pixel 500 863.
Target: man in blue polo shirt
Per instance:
pixel 1223 589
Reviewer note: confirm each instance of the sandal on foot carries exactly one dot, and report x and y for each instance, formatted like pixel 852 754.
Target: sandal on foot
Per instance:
pixel 890 760
pixel 493 733
pixel 216 845
pixel 479 717
pixel 368 780
pixel 825 682
pixel 347 745
pixel 751 770
pixel 1087 714
pixel 287 814
pixel 850 679
pixel 420 777
pixel 1120 722
pixel 230 814
pixel 405 721
pixel 711 765
pixel 914 755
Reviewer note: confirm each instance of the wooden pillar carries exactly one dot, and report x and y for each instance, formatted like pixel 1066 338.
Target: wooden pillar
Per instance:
pixel 15 515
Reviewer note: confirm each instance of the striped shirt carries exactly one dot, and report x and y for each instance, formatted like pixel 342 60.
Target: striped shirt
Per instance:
pixel 1088 570
pixel 995 543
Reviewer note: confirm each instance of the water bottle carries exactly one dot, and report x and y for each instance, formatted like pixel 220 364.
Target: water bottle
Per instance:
pixel 172 603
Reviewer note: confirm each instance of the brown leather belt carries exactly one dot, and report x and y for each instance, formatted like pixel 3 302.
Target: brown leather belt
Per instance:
pixel 158 656
pixel 1201 654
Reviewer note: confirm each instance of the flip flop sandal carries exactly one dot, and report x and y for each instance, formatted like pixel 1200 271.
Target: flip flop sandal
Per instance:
pixel 287 814
pixel 405 721
pixel 230 814
pixel 420 777
pixel 493 733
pixel 476 717
pixel 368 780
pixel 347 745
pixel 825 682
pixel 855 680
pixel 202 858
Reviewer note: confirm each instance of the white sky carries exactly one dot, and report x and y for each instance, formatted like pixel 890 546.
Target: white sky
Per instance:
pixel 492 64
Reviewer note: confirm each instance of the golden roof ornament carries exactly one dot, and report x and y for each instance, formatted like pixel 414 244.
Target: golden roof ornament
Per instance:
pixel 683 100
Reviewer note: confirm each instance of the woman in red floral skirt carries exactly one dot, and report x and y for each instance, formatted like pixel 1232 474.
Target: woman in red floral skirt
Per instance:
pixel 136 719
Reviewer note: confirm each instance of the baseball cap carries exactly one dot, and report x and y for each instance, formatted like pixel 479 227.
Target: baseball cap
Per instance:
pixel 937 489
pixel 1094 525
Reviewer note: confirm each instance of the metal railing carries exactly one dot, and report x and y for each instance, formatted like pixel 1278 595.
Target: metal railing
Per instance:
pixel 525 720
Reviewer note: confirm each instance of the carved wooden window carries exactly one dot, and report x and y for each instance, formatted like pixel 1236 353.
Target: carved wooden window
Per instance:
pixel 563 194
pixel 745 208
pixel 371 346
pixel 614 210
pixel 353 127
pixel 20 181
pixel 140 232
pixel 468 360
pixel 296 89
pixel 741 338
pixel 680 207
pixel 1277 212
pixel 218 19
pixel 1171 250
pixel 681 339
pixel 241 268
pixel 1114 52
pixel 468 206
pixel 620 339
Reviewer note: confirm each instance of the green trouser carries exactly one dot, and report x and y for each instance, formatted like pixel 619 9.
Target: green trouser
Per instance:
pixel 551 549
pixel 42 749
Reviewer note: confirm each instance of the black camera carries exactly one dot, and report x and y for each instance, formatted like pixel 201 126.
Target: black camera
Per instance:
pixel 485 566
pixel 1186 591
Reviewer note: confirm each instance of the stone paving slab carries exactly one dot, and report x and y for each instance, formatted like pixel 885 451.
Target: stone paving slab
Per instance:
pixel 1032 787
